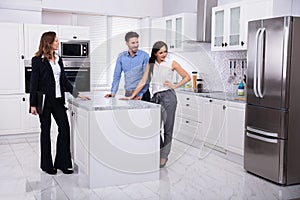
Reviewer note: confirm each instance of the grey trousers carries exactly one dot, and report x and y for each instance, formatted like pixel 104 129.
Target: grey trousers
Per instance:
pixel 168 101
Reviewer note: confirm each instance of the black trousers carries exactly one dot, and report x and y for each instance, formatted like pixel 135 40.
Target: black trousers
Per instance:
pixel 63 153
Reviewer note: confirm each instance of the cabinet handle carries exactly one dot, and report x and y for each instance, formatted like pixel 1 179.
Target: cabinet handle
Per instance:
pixel 171 46
pixel 210 100
pixel 187 122
pixel 187 98
pixel 23 99
pixel 224 107
pixel 22 57
pixel 187 104
pixel 225 44
pixel 242 43
pixel 72 113
pixel 74 37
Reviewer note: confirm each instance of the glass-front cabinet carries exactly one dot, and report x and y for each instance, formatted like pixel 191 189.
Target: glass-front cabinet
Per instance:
pixel 234 31
pixel 226 27
pixel 230 23
pixel 219 28
pixel 179 28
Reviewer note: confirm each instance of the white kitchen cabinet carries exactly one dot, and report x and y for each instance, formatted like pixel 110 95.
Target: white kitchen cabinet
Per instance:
pixel 11 55
pixel 188 121
pixel 32 37
pixel 32 122
pixel 79 121
pixel 230 23
pixel 73 32
pixel 214 123
pixel 179 28
pixel 234 127
pixel 115 142
pixel 12 114
pixel 15 116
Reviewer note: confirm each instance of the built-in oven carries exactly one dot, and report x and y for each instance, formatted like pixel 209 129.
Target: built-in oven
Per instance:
pixel 78 73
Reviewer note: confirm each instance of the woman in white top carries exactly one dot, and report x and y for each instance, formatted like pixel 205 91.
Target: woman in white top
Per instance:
pixel 160 70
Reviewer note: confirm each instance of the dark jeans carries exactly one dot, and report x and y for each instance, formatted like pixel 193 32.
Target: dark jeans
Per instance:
pixel 168 101
pixel 146 96
pixel 63 153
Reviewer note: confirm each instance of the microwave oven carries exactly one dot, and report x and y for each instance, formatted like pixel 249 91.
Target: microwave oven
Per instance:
pixel 74 48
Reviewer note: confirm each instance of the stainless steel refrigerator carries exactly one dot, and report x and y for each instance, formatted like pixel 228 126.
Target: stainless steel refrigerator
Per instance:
pixel 272 128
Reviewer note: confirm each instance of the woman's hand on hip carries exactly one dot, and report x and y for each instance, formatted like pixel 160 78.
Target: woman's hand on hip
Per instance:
pixel 169 84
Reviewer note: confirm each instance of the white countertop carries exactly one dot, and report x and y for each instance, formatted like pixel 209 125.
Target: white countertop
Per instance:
pixel 99 102
pixel 215 95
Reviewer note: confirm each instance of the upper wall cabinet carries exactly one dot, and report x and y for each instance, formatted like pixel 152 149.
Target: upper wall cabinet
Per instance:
pixel 32 36
pixel 73 33
pixel 173 30
pixel 179 28
pixel 230 23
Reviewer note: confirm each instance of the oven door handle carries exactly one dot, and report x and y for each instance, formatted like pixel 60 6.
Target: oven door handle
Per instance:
pixel 76 70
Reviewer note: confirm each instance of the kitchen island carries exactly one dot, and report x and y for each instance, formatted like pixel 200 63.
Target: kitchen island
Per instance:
pixel 115 142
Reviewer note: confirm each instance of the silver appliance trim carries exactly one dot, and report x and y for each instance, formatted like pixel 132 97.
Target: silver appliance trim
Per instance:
pixel 285 58
pixel 282 175
pixel 204 22
pixel 260 61
pixel 255 63
pixel 271 134
pixel 78 70
pixel 275 141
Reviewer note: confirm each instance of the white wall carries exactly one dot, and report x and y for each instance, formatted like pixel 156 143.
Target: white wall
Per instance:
pixel 171 7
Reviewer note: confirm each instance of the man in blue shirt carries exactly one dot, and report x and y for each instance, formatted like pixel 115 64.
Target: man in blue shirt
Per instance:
pixel 133 63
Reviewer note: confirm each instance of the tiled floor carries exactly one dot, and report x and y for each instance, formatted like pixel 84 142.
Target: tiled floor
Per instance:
pixel 186 176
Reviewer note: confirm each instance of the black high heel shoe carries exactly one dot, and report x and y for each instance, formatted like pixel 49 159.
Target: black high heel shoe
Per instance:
pixel 67 171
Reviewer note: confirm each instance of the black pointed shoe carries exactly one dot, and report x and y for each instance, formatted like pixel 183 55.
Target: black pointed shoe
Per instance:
pixel 50 171
pixel 67 171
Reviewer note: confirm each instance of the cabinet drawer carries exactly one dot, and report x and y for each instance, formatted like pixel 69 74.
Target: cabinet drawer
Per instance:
pixel 190 106
pixel 187 131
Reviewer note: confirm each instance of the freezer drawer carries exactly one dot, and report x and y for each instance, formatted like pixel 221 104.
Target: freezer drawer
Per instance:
pixel 267 121
pixel 265 157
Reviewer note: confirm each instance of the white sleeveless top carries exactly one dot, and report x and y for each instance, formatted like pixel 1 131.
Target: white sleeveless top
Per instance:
pixel 161 72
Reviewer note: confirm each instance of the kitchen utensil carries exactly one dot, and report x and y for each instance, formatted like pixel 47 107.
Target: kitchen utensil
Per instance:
pixel 234 73
pixel 231 77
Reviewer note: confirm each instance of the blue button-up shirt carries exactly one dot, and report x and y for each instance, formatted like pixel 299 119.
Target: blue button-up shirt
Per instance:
pixel 133 68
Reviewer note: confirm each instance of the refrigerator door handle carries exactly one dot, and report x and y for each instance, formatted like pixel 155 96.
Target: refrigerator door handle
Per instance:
pixel 260 65
pixel 271 134
pixel 262 138
pixel 255 62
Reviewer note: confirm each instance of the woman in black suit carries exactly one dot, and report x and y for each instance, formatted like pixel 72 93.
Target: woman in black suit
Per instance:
pixel 48 77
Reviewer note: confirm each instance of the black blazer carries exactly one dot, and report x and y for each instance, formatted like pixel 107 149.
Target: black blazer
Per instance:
pixel 42 80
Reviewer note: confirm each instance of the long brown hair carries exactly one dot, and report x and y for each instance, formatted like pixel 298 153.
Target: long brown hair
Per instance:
pixel 156 47
pixel 45 45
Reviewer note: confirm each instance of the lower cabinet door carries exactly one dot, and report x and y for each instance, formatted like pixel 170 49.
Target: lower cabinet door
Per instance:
pixel 188 131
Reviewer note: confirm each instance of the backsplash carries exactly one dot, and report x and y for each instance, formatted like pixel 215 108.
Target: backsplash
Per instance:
pixel 213 66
